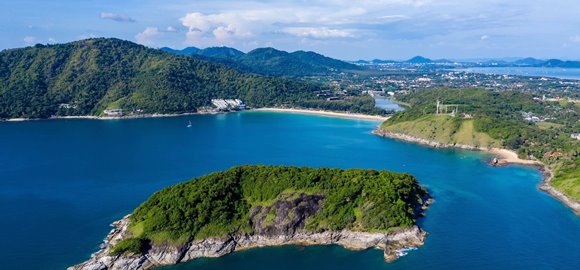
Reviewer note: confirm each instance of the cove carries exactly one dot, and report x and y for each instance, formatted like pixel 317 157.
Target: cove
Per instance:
pixel 62 182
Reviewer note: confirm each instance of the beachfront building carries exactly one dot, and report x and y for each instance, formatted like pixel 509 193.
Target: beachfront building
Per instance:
pixel 228 104
pixel 575 136
pixel 114 112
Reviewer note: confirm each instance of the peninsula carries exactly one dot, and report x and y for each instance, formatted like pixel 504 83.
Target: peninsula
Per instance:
pixel 514 126
pixel 257 206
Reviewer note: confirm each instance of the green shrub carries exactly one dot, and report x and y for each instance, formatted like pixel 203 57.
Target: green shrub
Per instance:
pixel 131 246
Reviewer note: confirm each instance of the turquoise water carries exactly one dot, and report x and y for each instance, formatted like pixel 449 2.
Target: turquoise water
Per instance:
pixel 63 182
pixel 562 73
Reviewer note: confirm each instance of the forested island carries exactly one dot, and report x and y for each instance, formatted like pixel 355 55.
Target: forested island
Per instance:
pixel 256 206
pixel 535 128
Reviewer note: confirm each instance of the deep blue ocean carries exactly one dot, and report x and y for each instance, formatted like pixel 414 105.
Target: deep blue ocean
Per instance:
pixel 62 182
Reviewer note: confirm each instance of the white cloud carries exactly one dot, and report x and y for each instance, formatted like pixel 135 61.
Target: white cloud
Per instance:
pixel 575 39
pixel 193 37
pixel 87 36
pixel 148 36
pixel 152 35
pixel 51 41
pixel 240 23
pixel 393 18
pixel 171 29
pixel 221 27
pixel 116 17
pixel 368 3
pixel 30 40
pixel 318 32
pixel 244 25
pixel 224 33
pixel 484 38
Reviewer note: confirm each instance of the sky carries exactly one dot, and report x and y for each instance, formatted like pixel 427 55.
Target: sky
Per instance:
pixel 344 29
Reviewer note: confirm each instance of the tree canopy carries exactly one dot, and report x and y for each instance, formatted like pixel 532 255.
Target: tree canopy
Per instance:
pixel 96 74
pixel 219 203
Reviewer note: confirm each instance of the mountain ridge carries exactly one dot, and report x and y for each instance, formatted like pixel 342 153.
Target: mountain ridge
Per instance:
pixel 273 62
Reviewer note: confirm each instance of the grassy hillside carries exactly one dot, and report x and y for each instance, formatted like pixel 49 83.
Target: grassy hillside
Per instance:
pixel 567 178
pixel 444 129
pixel 487 118
pixel 224 202
pixel 91 75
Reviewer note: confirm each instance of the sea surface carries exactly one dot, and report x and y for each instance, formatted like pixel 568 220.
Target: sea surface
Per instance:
pixel 62 182
pixel 388 104
pixel 562 73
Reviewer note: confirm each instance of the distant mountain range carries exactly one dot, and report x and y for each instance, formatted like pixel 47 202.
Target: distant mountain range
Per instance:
pixel 524 62
pixel 270 61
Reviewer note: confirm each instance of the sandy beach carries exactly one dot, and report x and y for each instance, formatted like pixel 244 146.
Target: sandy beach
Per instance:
pixel 506 156
pixel 326 113
pixel 157 115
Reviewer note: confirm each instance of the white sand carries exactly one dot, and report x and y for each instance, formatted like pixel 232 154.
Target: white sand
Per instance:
pixel 326 113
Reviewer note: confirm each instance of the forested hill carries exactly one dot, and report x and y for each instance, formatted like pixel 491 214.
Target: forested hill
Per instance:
pixel 272 62
pixel 95 74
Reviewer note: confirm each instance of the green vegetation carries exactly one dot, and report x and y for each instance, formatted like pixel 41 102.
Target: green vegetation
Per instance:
pixel 220 203
pixel 358 104
pixel 444 129
pixel 131 245
pixel 272 62
pixel 492 119
pixel 567 178
pixel 270 217
pixel 91 75
pixel 548 125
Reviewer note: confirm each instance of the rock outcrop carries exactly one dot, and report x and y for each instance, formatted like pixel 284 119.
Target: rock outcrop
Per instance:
pixel 281 223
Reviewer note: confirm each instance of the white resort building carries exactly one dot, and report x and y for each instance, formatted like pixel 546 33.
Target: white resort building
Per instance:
pixel 228 104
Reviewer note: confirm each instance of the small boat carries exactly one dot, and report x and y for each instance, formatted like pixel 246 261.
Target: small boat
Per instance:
pixel 189 125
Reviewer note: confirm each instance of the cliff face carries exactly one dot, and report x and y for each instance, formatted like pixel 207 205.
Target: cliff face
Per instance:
pixel 286 215
pixel 281 223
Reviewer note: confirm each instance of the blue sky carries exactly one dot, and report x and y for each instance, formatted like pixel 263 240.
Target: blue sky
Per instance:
pixel 346 29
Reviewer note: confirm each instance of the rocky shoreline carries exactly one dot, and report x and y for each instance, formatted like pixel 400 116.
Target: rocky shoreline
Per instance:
pixel 545 186
pixel 161 255
pixel 434 144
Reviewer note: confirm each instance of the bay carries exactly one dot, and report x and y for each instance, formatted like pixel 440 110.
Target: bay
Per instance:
pixel 562 73
pixel 62 182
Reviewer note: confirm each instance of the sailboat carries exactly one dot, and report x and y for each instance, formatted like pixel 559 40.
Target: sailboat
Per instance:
pixel 189 125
